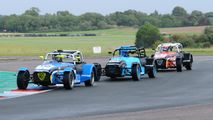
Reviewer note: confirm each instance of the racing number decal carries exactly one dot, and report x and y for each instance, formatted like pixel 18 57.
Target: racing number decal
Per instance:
pixel 41 75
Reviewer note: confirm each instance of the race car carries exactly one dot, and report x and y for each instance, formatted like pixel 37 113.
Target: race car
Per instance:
pixel 171 55
pixel 130 61
pixel 65 67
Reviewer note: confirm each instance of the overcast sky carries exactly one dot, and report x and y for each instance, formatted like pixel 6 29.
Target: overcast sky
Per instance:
pixel 78 7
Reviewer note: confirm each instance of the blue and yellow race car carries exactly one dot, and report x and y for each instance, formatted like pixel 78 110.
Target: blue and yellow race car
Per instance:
pixel 130 61
pixel 65 67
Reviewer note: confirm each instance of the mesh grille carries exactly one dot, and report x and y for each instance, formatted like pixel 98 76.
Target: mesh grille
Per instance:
pixel 42 78
pixel 113 71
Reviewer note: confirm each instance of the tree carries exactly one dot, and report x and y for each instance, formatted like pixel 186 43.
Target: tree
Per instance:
pixel 194 18
pixel 32 11
pixel 179 12
pixel 102 25
pixel 32 21
pixel 63 13
pixel 1 23
pixel 209 33
pixel 94 18
pixel 86 25
pixel 12 23
pixel 66 21
pixel 197 13
pixel 147 35
pixel 167 21
pixel 208 30
pixel 126 18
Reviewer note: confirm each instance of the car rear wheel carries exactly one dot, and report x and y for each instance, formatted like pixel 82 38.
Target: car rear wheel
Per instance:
pixel 98 71
pixel 179 65
pixel 189 66
pixel 90 82
pixel 152 72
pixel 23 79
pixel 68 80
pixel 136 72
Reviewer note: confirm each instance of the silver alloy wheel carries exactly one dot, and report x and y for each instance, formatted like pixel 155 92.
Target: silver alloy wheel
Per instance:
pixel 92 78
pixel 72 81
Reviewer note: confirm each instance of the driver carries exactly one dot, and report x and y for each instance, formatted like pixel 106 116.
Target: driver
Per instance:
pixel 125 53
pixel 78 58
pixel 164 48
pixel 58 59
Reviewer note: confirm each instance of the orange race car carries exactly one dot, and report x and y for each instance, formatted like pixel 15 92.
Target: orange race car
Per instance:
pixel 170 55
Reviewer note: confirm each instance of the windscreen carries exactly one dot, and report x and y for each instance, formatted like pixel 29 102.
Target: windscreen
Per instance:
pixel 58 57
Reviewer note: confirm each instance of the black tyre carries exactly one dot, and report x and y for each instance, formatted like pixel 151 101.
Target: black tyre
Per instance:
pixel 179 65
pixel 189 65
pixel 90 82
pixel 152 72
pixel 136 72
pixel 68 80
pixel 98 71
pixel 156 67
pixel 23 79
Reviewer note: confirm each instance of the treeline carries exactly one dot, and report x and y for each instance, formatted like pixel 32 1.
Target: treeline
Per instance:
pixel 32 21
pixel 204 40
pixel 149 36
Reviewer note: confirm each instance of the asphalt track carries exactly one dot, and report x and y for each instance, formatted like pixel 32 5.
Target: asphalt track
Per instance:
pixel 169 89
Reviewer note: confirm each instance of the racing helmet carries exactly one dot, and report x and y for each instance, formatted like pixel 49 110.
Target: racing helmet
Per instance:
pixel 58 59
pixel 164 48
pixel 77 58
pixel 124 53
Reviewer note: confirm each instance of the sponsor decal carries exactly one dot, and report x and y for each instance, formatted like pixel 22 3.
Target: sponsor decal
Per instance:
pixel 41 75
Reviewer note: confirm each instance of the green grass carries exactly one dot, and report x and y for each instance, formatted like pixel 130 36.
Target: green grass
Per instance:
pixel 32 46
pixel 200 51
pixel 108 39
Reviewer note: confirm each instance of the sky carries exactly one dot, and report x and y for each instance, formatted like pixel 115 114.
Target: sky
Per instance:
pixel 78 7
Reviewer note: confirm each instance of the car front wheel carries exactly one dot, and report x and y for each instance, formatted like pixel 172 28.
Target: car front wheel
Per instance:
pixel 23 79
pixel 136 73
pixel 68 80
pixel 90 82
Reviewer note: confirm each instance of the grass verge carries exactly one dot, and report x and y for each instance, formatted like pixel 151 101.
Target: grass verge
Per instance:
pixel 108 39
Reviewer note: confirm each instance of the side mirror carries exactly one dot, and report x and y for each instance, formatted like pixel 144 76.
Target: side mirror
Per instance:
pixel 41 57
pixel 109 52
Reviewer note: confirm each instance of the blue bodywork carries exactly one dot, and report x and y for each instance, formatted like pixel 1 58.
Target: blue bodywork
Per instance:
pixel 129 61
pixel 123 60
pixel 54 71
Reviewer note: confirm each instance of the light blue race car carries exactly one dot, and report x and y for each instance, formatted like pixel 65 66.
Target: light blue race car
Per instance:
pixel 65 67
pixel 130 61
